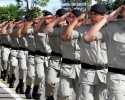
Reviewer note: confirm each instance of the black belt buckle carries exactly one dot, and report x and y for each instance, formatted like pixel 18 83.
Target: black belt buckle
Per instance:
pixel 76 62
pixel 97 67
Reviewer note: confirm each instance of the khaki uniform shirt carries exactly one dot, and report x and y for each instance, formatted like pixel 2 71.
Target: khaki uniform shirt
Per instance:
pixel 114 36
pixel 42 41
pixel 71 50
pixel 31 39
pixel 5 38
pixel 92 53
pixel 14 41
pixel 23 41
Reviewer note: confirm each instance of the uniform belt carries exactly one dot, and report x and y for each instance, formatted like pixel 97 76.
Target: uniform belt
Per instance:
pixel 6 45
pixel 95 67
pixel 32 53
pixel 42 53
pixel 24 49
pixel 69 61
pixel 15 48
pixel 56 54
pixel 116 70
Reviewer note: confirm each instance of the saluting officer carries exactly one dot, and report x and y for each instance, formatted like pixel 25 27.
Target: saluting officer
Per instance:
pixel 114 35
pixel 42 54
pixel 54 31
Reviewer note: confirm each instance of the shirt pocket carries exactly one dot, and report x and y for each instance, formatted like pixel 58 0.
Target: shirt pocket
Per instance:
pixel 89 44
pixel 69 43
pixel 41 37
pixel 103 46
pixel 119 42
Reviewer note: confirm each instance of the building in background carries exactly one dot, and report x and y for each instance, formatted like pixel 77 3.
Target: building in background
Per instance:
pixel 78 5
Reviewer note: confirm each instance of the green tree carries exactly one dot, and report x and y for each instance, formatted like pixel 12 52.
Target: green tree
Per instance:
pixel 11 12
pixel 34 3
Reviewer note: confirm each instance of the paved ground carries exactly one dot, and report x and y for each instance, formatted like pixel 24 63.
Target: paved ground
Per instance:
pixel 10 94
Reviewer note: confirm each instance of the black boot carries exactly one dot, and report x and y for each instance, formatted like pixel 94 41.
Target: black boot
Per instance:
pixel 1 74
pixel 35 92
pixel 12 79
pixel 20 87
pixel 28 92
pixel 38 97
pixel 8 79
pixel 49 98
pixel 4 75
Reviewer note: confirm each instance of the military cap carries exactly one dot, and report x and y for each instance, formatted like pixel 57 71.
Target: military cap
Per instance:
pixel 18 19
pixel 76 12
pixel 61 12
pixel 98 8
pixel 29 18
pixel 46 13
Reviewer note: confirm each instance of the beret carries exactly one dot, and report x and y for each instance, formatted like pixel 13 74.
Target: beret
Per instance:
pixel 98 8
pixel 46 13
pixel 76 12
pixel 61 12
pixel 18 19
pixel 29 18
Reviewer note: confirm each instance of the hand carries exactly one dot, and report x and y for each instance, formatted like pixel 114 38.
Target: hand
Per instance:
pixel 113 15
pixel 81 17
pixel 64 17
pixel 47 17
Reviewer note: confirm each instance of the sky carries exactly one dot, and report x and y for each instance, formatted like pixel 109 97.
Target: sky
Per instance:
pixel 53 4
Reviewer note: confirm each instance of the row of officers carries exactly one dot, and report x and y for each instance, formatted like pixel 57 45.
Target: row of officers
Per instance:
pixel 62 50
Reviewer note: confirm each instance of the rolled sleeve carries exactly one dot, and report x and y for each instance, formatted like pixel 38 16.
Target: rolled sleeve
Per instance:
pixel 57 31
pixel 102 34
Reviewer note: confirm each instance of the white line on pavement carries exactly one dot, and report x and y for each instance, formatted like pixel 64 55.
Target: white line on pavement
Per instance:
pixel 12 93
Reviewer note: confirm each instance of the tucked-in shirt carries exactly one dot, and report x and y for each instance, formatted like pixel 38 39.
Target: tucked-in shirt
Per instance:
pixel 42 41
pixel 114 36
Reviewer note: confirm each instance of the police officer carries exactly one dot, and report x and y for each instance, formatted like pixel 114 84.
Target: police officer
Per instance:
pixel 69 73
pixel 52 75
pixel 14 50
pixel 114 35
pixel 1 68
pixel 42 52
pixel 93 59
pixel 22 56
pixel 5 49
pixel 28 30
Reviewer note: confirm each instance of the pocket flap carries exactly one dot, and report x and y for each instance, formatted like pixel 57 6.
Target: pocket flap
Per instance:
pixel 119 37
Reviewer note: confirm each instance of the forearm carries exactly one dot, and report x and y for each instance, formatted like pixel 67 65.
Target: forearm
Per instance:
pixel 3 29
pixel 9 31
pixel 94 30
pixel 51 25
pixel 39 25
pixel 26 27
pixel 16 35
pixel 68 31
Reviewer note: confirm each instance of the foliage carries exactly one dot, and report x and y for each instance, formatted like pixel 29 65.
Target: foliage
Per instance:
pixel 34 3
pixel 10 12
